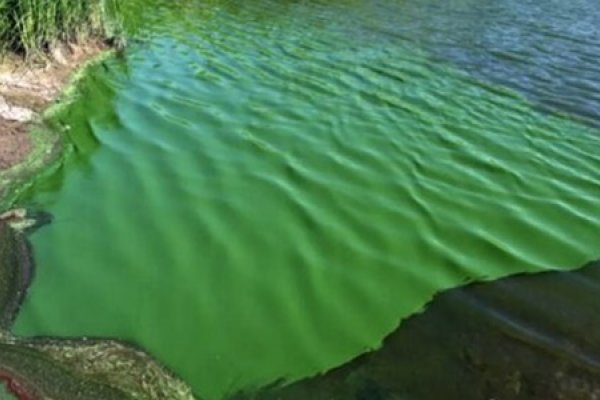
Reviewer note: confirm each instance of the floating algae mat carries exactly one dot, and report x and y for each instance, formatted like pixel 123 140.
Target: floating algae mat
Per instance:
pixel 4 395
pixel 77 369
pixel 263 191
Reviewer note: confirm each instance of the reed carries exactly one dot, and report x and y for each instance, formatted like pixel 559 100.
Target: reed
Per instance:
pixel 32 26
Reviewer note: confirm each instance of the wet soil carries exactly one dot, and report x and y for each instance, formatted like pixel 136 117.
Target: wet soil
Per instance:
pixel 27 87
pixel 15 144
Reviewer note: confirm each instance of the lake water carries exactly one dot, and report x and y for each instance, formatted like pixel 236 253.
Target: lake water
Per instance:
pixel 263 190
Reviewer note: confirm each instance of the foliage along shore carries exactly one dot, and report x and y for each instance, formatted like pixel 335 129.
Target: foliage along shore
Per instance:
pixel 32 27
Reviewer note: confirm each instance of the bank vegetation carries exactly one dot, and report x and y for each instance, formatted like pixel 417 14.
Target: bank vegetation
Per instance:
pixel 32 27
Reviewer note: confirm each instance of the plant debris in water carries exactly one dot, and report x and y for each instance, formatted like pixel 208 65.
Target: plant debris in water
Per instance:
pixel 70 369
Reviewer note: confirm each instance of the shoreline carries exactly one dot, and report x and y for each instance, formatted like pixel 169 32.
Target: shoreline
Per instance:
pixel 43 367
pixel 29 95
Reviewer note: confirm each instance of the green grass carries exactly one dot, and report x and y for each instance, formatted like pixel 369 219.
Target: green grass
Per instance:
pixel 32 26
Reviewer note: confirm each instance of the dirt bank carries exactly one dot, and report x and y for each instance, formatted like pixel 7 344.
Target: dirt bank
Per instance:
pixel 27 88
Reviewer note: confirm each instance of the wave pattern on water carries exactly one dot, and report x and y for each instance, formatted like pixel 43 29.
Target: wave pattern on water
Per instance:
pixel 265 190
pixel 547 49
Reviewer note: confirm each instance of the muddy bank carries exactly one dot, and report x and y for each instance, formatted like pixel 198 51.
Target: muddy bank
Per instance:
pixel 527 337
pixel 27 89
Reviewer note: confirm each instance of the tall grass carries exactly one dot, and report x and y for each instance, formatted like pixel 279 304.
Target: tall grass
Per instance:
pixel 31 26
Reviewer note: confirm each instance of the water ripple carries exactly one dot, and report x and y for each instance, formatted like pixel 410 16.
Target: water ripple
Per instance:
pixel 286 181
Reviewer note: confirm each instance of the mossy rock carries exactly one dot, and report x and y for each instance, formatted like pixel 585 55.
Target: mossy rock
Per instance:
pixel 16 268
pixel 39 377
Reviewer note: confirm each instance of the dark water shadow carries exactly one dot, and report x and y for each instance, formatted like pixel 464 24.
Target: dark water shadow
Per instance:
pixel 523 337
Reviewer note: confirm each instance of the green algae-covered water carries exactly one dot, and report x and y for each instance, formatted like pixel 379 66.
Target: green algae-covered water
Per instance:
pixel 4 395
pixel 263 190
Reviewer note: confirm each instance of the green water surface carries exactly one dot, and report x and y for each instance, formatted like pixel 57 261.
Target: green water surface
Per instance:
pixel 263 191
pixel 4 394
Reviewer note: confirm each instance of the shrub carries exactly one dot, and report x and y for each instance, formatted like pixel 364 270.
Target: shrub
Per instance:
pixel 31 26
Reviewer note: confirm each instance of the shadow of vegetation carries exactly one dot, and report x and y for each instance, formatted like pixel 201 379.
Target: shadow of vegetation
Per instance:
pixel 523 337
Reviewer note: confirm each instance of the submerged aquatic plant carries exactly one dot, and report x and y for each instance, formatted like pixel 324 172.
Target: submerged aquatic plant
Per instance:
pixel 69 369
pixel 30 26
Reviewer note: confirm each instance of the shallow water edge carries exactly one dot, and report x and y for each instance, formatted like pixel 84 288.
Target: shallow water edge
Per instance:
pixel 526 337
pixel 69 368
pixel 40 93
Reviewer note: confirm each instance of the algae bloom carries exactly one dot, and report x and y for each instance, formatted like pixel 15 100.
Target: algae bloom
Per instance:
pixel 69 369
